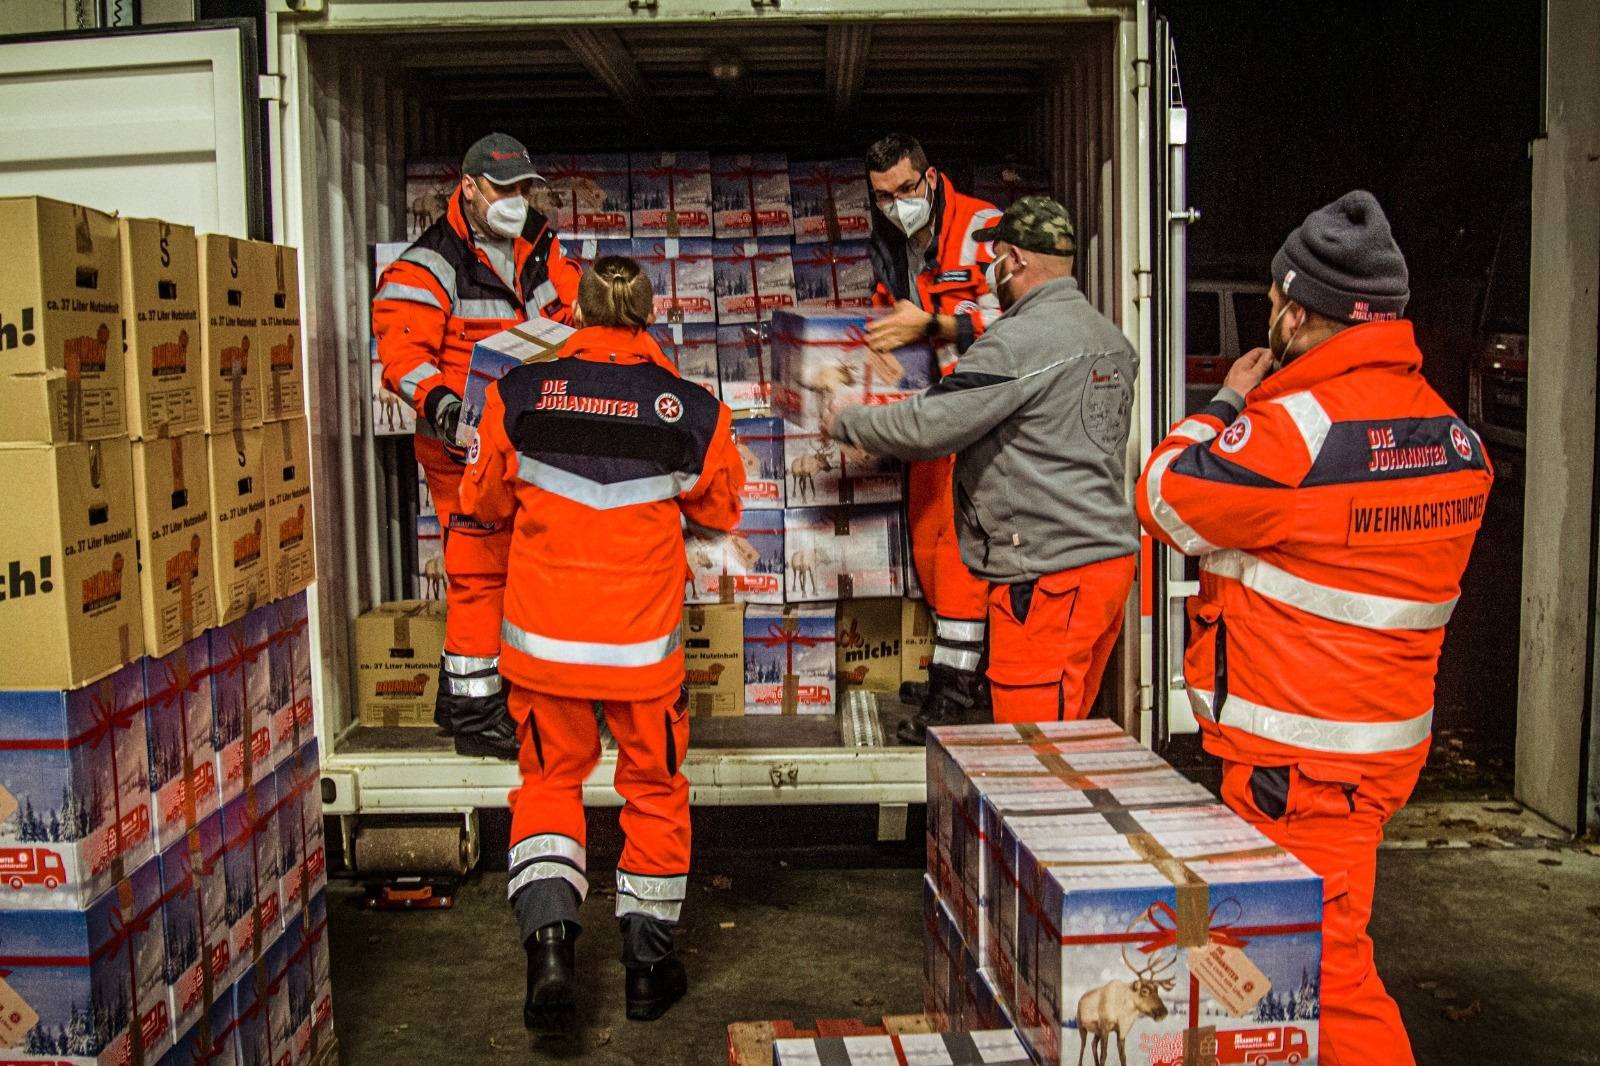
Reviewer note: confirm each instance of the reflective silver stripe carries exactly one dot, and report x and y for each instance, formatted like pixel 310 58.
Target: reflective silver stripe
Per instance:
pixel 1314 734
pixel 545 294
pixel 1337 605
pixel 664 910
pixel 1309 418
pixel 418 374
pixel 484 309
pixel 962 630
pixel 476 688
pixel 649 886
pixel 589 653
pixel 960 658
pixel 600 496
pixel 549 845
pixel 410 293
pixel 470 664
pixel 435 264
pixel 548 871
pixel 1194 429
pixel 969 247
pixel 1188 541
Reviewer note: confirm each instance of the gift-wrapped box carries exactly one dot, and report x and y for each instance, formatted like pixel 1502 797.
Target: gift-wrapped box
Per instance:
pixel 391 416
pixel 761 442
pixel 312 847
pixel 990 1047
pixel 823 356
pixel 744 363
pixel 831 201
pixel 77 983
pixel 194 917
pixel 430 558
pixel 584 251
pixel 183 760
pixel 838 553
pixel 751 195
pixel 822 472
pixel 671 194
pixel 755 279
pixel 212 1040
pixel 584 195
pixel 287 818
pixel 74 791
pixel 262 1012
pixel 316 929
pixel 744 566
pixel 290 664
pixel 252 861
pixel 692 349
pixel 272 701
pixel 241 723
pixel 789 660
pixel 492 357
pixel 297 985
pixel 942 973
pixel 429 186
pixel 1003 184
pixel 681 277
pixel 829 277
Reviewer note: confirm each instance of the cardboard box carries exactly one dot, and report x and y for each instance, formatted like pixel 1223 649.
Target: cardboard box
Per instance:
pixel 822 472
pixel 869 645
pixel 744 365
pixel 755 279
pixel 830 277
pixel 74 791
pixel 79 980
pixel 789 660
pixel 289 665
pixel 751 195
pixel 161 328
pixel 214 1042
pixel 990 1047
pixel 584 195
pixel 430 558
pixel 713 659
pixel 831 201
pixel 239 541
pixel 681 278
pixel 231 337
pixel 183 759
pixel 1003 184
pixel 671 194
pixel 693 350
pixel 264 697
pixel 291 542
pixel 430 183
pixel 398 646
pixel 276 269
pixel 68 617
pixel 60 319
pixel 745 566
pixel 177 561
pixel 194 918
pixel 240 687
pixel 819 356
pixel 916 637
pixel 760 442
pixel 535 340
pixel 840 553
pixel 252 866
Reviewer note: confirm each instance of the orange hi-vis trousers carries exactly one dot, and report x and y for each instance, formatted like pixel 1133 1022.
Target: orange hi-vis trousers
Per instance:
pixel 949 587
pixel 474 564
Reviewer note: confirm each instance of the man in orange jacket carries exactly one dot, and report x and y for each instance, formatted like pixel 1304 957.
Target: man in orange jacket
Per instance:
pixel 1333 499
pixel 488 264
pixel 593 460
pixel 930 270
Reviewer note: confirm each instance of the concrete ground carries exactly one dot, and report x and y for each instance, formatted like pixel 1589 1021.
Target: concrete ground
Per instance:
pixel 1487 935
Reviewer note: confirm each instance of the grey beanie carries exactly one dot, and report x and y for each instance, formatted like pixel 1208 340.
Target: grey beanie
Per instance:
pixel 1342 262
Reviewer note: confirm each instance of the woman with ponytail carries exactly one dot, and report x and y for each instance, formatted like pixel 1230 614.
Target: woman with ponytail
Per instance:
pixel 594 459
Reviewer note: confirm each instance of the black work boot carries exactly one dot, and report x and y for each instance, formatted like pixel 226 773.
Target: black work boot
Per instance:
pixel 552 977
pixel 484 727
pixel 653 989
pixel 952 699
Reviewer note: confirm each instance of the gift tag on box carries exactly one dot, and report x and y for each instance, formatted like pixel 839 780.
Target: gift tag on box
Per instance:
pixel 1232 979
pixel 16 1017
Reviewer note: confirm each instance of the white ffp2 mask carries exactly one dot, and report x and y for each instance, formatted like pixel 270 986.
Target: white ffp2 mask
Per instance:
pixel 910 214
pixel 507 217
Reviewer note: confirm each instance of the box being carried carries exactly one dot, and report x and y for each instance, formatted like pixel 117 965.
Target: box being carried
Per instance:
pixel 831 201
pixel 671 194
pixel 584 195
pixel 713 659
pixel 693 350
pixel 821 471
pixel 183 759
pixel 60 322
pixel 161 328
pixel 429 186
pixel 177 575
pixel 839 553
pixel 681 278
pixel 755 279
pixel 760 444
pixel 751 195
pixel 744 363
pixel 823 356
pixel 789 660
pixel 398 646
pixel 231 333
pixel 744 566
pixel 833 276
pixel 535 340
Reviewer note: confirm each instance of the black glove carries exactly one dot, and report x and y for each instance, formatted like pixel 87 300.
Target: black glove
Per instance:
pixel 443 411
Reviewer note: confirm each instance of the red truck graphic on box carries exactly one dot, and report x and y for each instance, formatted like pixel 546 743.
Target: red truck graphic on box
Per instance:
pixel 31 866
pixel 1279 1044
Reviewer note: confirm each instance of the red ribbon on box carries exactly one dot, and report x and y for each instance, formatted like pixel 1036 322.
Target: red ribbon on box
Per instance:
pixel 755 259
pixel 672 174
pixel 826 255
pixel 823 175
pixel 660 256
pixel 789 638
pixel 557 171
pixel 750 174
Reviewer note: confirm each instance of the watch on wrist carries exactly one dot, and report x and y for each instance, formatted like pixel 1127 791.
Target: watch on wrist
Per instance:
pixel 932 329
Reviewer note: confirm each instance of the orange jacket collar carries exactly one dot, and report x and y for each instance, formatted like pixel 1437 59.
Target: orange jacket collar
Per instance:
pixel 457 214
pixel 1369 346
pixel 615 344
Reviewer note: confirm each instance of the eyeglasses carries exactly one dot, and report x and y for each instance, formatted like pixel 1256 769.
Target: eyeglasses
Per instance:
pixel 906 189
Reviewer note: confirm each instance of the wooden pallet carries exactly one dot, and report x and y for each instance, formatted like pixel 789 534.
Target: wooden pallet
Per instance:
pixel 750 1043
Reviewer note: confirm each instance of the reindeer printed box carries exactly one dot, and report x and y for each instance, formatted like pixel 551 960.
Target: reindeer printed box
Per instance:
pixel 681 278
pixel 692 349
pixel 755 279
pixel 820 471
pixel 424 494
pixel 74 792
pixel 79 983
pixel 751 195
pixel 744 566
pixel 391 415
pixel 671 194
pixel 211 1041
pixel 183 759
pixel 744 363
pixel 429 186
pixel 761 447
pixel 839 553
pixel 584 195
pixel 830 277
pixel 534 340
pixel 831 201
pixel 789 660
pixel 430 558
pixel 194 918
pixel 252 860
pixel 823 356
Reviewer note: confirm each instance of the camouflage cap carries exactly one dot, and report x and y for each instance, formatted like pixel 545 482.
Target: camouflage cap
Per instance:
pixel 1034 224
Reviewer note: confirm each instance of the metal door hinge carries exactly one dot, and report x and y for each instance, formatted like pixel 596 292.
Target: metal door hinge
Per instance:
pixel 1188 217
pixel 642 5
pixel 270 87
pixel 1141 74
pixel 765 3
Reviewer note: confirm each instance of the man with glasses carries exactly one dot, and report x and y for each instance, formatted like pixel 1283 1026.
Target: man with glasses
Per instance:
pixel 489 263
pixel 930 272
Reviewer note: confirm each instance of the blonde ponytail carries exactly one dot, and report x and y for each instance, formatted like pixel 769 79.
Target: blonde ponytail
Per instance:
pixel 616 292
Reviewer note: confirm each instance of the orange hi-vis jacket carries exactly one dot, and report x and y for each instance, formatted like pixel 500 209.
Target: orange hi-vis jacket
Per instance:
pixel 442 296
pixel 1333 519
pixel 951 281
pixel 594 459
